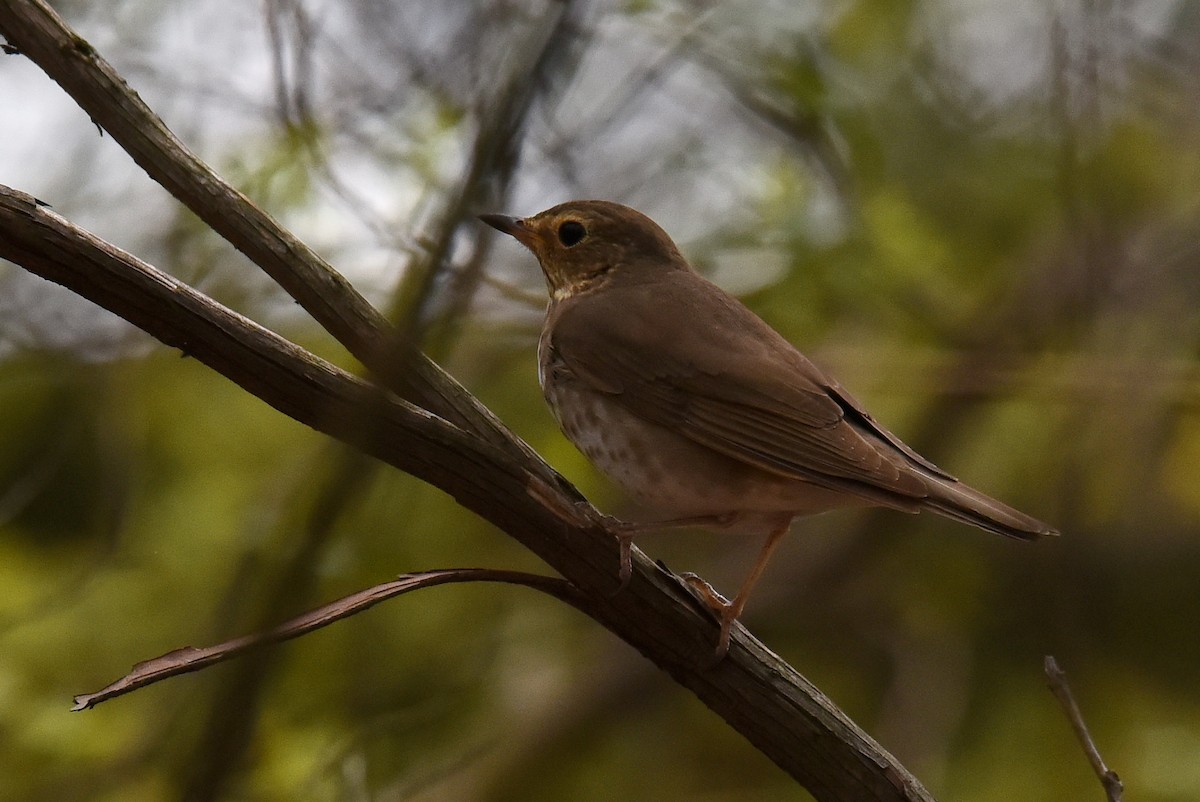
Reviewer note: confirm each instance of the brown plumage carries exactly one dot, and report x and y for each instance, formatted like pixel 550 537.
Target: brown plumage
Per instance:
pixel 700 409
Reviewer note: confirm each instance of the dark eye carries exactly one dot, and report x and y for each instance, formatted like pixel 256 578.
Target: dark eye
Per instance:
pixel 571 232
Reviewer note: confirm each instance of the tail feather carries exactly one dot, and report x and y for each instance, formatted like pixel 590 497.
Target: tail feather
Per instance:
pixel 967 505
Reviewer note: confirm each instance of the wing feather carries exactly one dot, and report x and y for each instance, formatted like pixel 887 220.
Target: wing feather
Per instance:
pixel 720 376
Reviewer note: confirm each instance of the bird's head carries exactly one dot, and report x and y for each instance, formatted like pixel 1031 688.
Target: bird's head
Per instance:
pixel 586 244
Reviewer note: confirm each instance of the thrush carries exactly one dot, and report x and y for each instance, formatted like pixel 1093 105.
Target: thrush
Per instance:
pixel 702 411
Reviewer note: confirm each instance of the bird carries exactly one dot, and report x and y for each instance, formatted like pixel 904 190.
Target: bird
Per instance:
pixel 699 409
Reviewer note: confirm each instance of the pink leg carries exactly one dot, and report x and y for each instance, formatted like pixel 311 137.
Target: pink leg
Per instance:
pixel 728 612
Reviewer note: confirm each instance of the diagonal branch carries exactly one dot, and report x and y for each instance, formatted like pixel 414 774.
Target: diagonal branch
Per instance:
pixel 759 695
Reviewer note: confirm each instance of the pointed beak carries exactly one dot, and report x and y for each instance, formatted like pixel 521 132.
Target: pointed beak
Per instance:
pixel 513 226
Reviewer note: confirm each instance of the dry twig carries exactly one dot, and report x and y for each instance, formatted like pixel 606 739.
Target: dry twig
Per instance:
pixel 1062 691
pixel 190 658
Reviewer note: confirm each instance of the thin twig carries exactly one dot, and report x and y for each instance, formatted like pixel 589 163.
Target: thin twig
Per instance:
pixel 191 658
pixel 1062 691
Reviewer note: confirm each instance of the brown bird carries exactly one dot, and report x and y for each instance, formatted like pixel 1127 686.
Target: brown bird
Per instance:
pixel 698 408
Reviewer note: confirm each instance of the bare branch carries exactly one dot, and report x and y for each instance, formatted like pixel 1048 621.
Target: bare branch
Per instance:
pixel 190 658
pixel 1062 691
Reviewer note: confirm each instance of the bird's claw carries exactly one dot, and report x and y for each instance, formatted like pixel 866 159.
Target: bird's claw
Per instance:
pixel 625 542
pixel 623 531
pixel 716 605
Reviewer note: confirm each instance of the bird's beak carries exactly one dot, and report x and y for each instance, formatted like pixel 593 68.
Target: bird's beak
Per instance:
pixel 513 226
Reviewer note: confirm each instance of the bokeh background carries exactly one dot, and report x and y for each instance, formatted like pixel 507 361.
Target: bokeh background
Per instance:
pixel 983 217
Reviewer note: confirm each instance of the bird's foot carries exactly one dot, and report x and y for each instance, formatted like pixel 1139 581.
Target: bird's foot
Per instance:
pixel 721 609
pixel 623 531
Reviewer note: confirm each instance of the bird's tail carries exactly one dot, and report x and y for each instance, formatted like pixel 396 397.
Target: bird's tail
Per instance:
pixel 955 500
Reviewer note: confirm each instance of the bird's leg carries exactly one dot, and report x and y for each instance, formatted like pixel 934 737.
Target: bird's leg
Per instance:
pixel 626 530
pixel 728 612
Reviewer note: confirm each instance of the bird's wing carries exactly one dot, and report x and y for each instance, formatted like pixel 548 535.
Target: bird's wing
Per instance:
pixel 701 364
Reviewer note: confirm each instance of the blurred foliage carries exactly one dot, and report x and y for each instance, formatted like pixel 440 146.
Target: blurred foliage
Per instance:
pixel 980 216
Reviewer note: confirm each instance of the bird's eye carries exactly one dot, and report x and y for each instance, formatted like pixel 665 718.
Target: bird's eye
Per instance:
pixel 571 232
